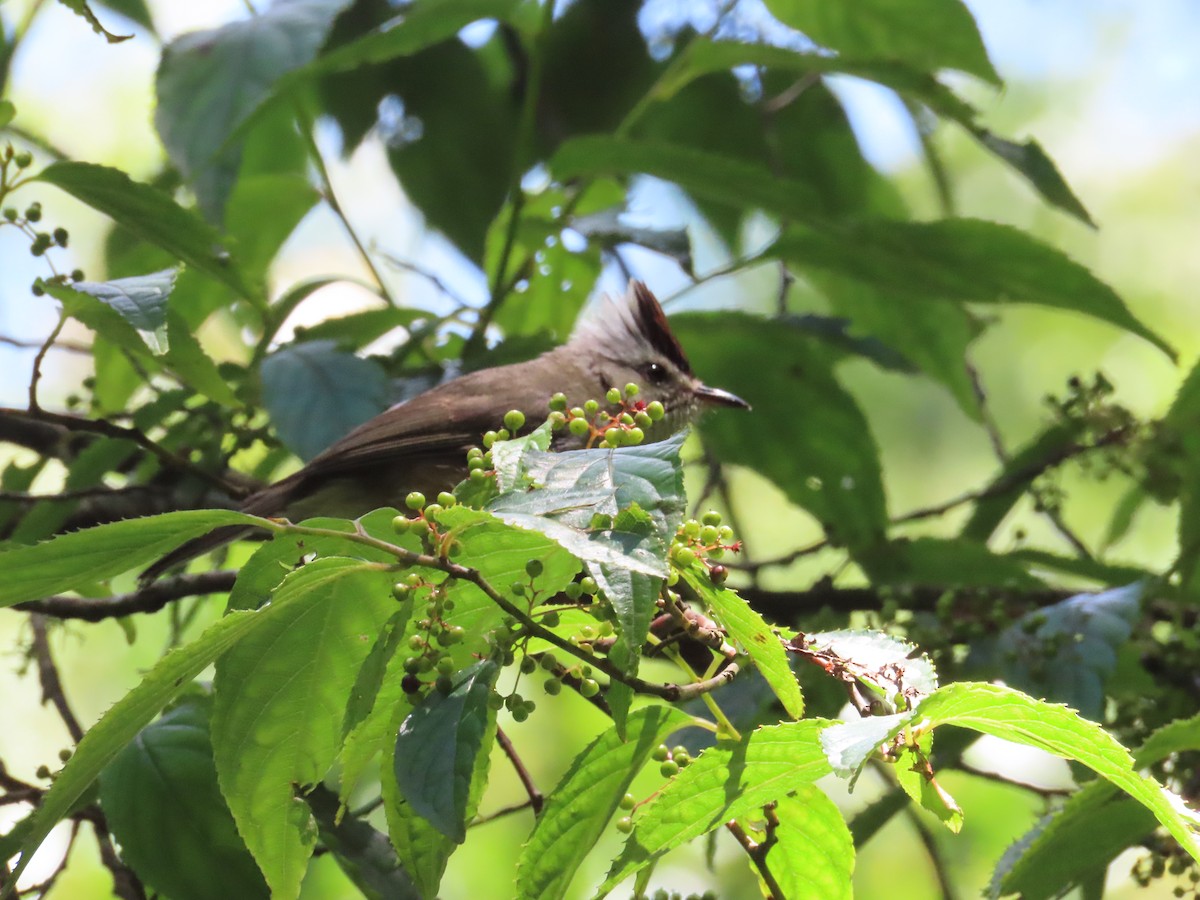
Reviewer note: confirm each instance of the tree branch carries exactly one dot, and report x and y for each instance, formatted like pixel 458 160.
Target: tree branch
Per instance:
pixel 148 599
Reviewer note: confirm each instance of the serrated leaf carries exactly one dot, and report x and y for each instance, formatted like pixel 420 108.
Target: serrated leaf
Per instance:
pixel 849 745
pixel 279 696
pixel 577 485
pixel 912 82
pixel 150 215
pixel 126 718
pixel 928 34
pixel 579 808
pixel 813 854
pixel 755 637
pixel 161 800
pixel 70 561
pixel 81 9
pixel 437 748
pixel 962 260
pixel 210 82
pixel 764 766
pixel 1009 714
pixel 188 360
pixel 825 460
pixel 316 393
pixel 1067 651
pixel 363 853
pixel 141 301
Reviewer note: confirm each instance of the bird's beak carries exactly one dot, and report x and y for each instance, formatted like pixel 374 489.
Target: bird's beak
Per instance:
pixel 712 396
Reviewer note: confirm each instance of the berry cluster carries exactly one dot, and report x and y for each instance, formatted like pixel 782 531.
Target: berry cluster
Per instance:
pixel 624 427
pixel 1167 858
pixel 670 761
pixel 424 523
pixel 704 539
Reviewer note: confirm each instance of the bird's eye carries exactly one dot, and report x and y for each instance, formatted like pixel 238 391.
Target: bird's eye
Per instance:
pixel 655 373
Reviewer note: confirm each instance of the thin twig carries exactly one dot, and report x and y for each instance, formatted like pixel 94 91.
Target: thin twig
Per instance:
pixel 70 346
pixel 52 689
pixel 536 798
pixel 40 358
pixel 758 855
pixel 80 494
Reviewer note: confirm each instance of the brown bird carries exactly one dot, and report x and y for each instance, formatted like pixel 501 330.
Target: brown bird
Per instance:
pixel 421 444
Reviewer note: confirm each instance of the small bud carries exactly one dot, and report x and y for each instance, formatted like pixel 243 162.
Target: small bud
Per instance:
pixel 514 419
pixel 415 500
pixel 10 213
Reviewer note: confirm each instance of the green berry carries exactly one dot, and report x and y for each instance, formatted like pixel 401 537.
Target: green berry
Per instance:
pixel 494 702
pixel 631 390
pixel 588 585
pixel 552 686
pixel 683 556
pixel 655 410
pixel 712 517
pixel 445 666
pixel 591 407
pixel 447 499
pixel 548 662
pixel 634 436
pixel 432 511
pixel 489 438
pixel 534 568
pixel 503 434
pixel 517 589
pixel 514 419
pixel 709 534
pixel 589 687
pixel 10 213
pixel 660 753
pixel 528 665
pixel 668 769
pixel 474 453
pixel 520 714
pixel 578 427
pixel 625 824
pixel 477 476
pixel 551 619
pixel 23 159
pixel 401 591
pixel 628 802
pixel 415 500
pixel 642 419
pixel 558 403
pixel 444 684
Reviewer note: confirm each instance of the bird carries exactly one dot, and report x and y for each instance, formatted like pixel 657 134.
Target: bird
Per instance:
pixel 421 444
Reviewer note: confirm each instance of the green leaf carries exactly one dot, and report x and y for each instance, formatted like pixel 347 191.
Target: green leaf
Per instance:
pixel 7 112
pixel 1067 651
pixel 126 718
pixel 150 215
pixel 134 10
pixel 316 393
pixel 1009 714
pixel 1091 828
pixel 583 802
pixel 726 781
pixel 710 176
pixel 824 459
pixel 952 562
pixel 362 852
pixel 71 561
pixel 813 854
pixel 81 9
pixel 422 26
pixel 161 800
pixel 210 82
pixel 189 361
pixel 276 725
pixel 438 746
pixel 755 637
pixel 963 260
pixel 141 301
pixel 703 57
pixel 581 484
pixel 107 323
pixel 927 34
pixel 1064 848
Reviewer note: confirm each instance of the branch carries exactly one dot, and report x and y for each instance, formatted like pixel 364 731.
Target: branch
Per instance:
pixel 113 430
pixel 536 798
pixel 787 606
pixel 148 599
